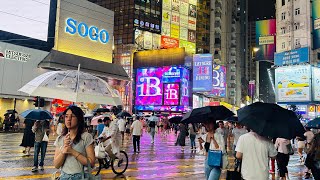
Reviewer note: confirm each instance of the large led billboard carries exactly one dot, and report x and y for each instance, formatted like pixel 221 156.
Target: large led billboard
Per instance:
pixel 265 39
pixel 167 86
pixel 218 81
pixel 202 73
pixel 316 23
pixel 293 83
pixel 25 17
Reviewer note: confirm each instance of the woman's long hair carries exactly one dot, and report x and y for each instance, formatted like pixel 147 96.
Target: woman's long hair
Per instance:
pixel 315 144
pixel 81 127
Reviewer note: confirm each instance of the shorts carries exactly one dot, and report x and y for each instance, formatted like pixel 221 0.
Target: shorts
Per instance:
pixel 301 144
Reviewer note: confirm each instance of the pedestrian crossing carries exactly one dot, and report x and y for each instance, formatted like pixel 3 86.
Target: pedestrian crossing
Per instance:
pixel 161 161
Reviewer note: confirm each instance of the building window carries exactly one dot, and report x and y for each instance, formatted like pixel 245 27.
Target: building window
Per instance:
pixel 296 26
pixel 297 42
pixel 283 30
pixel 283 2
pixel 283 45
pixel 283 16
pixel 297 11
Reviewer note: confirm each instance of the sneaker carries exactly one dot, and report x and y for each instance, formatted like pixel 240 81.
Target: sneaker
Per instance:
pixel 34 169
pixel 41 168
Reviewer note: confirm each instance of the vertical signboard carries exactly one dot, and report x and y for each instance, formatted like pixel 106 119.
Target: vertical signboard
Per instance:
pixel 149 86
pixel 185 88
pixel 166 29
pixel 293 83
pixel 265 39
pixel 218 81
pixel 175 31
pixel 202 73
pixel 316 83
pixel 316 23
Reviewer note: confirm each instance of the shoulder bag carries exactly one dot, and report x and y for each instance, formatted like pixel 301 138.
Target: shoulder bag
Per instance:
pixel 215 158
pixel 234 175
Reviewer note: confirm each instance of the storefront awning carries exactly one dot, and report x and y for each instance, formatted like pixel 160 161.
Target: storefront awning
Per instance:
pixel 57 60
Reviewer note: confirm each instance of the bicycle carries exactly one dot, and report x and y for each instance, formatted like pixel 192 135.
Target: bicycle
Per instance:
pixel 119 168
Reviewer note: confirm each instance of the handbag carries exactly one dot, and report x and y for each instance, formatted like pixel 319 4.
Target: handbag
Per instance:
pixel 88 175
pixel 290 149
pixel 234 175
pixel 215 158
pixel 99 151
pixel 45 137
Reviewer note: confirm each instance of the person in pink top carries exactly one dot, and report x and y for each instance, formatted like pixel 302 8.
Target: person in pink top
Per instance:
pixel 283 156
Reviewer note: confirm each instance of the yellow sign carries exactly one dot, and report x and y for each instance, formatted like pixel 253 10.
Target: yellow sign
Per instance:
pixel 190 48
pixel 79 34
pixel 266 40
pixel 175 31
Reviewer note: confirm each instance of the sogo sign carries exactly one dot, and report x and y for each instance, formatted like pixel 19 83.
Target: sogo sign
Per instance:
pixel 82 29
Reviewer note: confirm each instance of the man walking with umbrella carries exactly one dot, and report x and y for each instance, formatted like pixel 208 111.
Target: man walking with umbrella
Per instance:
pixel 41 131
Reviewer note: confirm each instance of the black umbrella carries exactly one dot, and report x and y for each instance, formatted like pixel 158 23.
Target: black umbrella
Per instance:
pixel 175 119
pixel 11 111
pixel 124 114
pixel 102 110
pixel 205 114
pixel 271 120
pixel 232 119
pixel 314 124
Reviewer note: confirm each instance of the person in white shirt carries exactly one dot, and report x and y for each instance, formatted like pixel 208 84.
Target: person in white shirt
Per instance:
pixel 122 127
pixel 282 156
pixel 224 132
pixel 255 151
pixel 237 131
pixel 214 141
pixel 136 131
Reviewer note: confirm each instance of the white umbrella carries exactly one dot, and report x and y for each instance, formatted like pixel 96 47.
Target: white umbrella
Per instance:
pixel 154 118
pixel 74 86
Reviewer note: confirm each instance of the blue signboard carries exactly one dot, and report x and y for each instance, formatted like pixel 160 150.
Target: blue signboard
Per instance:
pixel 295 56
pixel 202 73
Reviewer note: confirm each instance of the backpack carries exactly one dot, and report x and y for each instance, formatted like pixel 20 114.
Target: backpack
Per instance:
pixel 152 124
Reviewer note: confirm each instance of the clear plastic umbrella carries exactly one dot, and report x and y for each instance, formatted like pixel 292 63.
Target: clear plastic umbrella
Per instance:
pixel 74 86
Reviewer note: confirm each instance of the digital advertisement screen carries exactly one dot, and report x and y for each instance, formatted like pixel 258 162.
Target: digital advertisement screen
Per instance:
pixel 149 86
pixel 171 94
pixel 293 83
pixel 27 18
pixel 202 73
pixel 168 86
pixel 218 81
pixel 265 39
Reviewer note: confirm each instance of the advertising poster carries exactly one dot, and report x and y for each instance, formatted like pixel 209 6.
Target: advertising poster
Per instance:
pixel 184 21
pixel 156 41
pixel 266 39
pixel 190 48
pixel 316 84
pixel 192 35
pixel 194 2
pixel 168 42
pixel 171 74
pixel 166 16
pixel 293 83
pixel 175 31
pixel 149 86
pixel 166 29
pixel 147 40
pixel 202 73
pixel 295 56
pixel 184 8
pixel 195 101
pixel 139 38
pixel 193 11
pixel 316 23
pixel 183 33
pixel 192 23
pixel 176 5
pixel 166 4
pixel 175 19
pixel 171 94
pixel 218 81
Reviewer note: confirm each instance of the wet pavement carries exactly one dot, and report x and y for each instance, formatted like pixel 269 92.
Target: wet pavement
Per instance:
pixel 162 161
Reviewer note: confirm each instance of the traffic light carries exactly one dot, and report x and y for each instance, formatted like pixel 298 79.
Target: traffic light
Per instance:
pixel 36 101
pixel 41 102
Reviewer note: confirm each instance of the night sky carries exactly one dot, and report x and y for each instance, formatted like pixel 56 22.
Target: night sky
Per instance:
pixel 259 9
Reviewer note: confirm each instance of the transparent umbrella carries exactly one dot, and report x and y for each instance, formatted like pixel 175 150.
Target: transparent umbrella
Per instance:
pixel 74 86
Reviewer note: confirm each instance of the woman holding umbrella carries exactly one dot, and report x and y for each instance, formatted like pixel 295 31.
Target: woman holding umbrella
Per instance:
pixel 28 137
pixel 212 141
pixel 181 140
